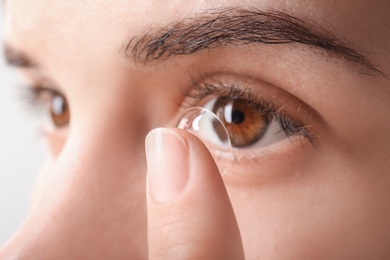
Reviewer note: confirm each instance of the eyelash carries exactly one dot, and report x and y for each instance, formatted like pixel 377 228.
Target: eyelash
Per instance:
pixel 33 96
pixel 214 87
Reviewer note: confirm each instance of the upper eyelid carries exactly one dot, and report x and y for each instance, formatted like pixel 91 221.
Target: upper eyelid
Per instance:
pixel 39 81
pixel 233 91
pixel 33 94
pixel 41 90
pixel 211 85
pixel 263 88
pixel 218 87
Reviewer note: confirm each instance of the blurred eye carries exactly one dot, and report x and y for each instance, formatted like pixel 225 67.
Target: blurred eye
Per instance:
pixel 59 110
pixel 52 102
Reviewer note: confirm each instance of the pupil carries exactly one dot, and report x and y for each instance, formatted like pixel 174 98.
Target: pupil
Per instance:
pixel 238 117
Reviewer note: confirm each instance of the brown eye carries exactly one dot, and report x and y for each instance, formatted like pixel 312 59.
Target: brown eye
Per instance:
pixel 59 110
pixel 245 123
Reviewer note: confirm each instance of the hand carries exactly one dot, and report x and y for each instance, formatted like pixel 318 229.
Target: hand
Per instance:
pixel 189 212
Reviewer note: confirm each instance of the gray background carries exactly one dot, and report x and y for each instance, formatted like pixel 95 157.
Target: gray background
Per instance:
pixel 21 150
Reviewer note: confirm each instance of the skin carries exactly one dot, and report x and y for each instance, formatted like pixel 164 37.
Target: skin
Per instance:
pixel 90 201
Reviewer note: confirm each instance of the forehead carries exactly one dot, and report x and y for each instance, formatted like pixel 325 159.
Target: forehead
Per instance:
pixel 94 16
pixel 53 26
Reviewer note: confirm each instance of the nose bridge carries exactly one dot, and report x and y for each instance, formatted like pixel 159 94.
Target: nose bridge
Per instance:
pixel 101 174
pixel 97 182
pixel 102 156
pixel 104 145
pixel 107 135
pixel 103 162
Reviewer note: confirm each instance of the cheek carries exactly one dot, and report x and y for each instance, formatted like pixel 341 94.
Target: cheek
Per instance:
pixel 332 213
pixel 55 141
pixel 41 183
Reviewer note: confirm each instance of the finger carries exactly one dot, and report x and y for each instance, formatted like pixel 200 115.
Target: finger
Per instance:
pixel 189 211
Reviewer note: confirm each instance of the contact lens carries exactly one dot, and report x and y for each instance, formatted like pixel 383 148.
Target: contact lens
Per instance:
pixel 210 130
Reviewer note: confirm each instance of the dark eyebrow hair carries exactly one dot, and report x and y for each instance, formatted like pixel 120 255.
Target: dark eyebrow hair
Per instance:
pixel 234 27
pixel 16 58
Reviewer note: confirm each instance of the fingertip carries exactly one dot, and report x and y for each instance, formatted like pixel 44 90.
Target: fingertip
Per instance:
pixel 168 164
pixel 185 220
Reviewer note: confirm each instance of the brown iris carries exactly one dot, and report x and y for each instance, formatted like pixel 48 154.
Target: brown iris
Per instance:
pixel 59 111
pixel 245 123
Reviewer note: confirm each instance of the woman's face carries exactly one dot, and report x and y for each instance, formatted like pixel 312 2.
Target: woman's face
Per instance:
pixel 313 185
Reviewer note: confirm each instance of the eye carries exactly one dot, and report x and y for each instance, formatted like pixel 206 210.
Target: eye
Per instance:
pixel 247 124
pixel 59 110
pixel 244 124
pixel 251 120
pixel 54 105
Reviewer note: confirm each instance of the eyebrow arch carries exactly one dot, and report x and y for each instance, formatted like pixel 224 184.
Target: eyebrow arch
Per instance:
pixel 234 27
pixel 17 58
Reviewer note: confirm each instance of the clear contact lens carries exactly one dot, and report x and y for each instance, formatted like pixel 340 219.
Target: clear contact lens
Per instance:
pixel 209 128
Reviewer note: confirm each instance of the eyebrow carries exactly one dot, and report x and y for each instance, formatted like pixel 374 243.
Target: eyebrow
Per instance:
pixel 16 58
pixel 235 27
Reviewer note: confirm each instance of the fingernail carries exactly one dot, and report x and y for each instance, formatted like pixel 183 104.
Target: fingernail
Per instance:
pixel 167 158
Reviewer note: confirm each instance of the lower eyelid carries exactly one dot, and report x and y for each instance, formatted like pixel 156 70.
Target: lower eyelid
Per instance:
pixel 55 139
pixel 253 168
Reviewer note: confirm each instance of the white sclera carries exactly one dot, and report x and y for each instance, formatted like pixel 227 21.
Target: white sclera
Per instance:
pixel 209 128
